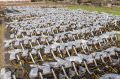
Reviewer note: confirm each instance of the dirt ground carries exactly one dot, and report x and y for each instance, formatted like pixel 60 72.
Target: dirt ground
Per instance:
pixel 1 46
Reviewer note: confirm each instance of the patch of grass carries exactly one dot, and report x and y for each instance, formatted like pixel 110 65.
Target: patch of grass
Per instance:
pixel 118 35
pixel 112 10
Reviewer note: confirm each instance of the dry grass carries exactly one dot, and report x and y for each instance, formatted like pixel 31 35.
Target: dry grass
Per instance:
pixel 41 4
pixel 1 47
